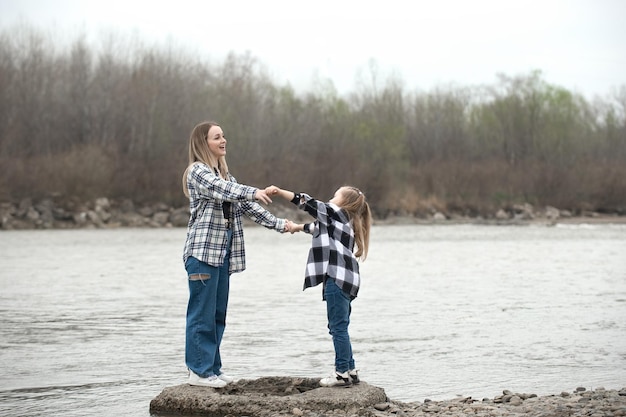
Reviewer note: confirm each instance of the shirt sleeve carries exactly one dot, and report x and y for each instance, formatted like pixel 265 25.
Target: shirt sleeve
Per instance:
pixel 321 211
pixel 209 185
pixel 258 214
pixel 310 228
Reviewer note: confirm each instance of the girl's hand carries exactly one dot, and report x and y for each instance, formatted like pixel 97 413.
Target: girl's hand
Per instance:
pixel 272 190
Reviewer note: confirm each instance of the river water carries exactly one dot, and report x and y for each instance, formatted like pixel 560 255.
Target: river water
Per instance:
pixel 92 321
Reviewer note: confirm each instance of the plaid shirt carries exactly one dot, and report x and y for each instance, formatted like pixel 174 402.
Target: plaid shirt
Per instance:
pixel 332 251
pixel 206 231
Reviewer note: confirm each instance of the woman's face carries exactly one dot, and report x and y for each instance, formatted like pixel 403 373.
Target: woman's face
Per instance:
pixel 216 141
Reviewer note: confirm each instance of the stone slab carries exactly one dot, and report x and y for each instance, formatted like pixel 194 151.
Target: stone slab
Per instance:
pixel 264 397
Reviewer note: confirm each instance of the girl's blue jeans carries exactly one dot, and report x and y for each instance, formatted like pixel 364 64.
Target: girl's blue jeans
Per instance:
pixel 206 316
pixel 338 309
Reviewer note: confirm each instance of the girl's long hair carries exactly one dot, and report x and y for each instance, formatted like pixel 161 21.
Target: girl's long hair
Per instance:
pixel 354 203
pixel 199 152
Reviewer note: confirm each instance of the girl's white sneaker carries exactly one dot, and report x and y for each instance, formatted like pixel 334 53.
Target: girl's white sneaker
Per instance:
pixel 337 380
pixel 354 374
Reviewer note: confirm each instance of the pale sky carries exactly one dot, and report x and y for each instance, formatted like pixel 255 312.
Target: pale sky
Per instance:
pixel 577 44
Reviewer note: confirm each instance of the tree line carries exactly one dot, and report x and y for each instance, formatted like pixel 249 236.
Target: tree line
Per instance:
pixel 83 121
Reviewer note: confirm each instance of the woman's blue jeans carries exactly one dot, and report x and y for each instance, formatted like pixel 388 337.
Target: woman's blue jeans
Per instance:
pixel 206 316
pixel 338 309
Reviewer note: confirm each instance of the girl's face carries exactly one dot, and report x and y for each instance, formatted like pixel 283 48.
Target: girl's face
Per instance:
pixel 338 197
pixel 216 141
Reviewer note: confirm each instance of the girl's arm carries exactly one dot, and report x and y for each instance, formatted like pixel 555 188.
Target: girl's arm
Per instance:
pixel 273 190
pixel 305 202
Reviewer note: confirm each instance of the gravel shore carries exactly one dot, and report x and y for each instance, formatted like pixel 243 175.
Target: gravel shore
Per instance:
pixel 580 402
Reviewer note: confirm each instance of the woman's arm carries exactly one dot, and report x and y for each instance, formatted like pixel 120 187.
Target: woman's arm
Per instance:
pixel 258 214
pixel 209 185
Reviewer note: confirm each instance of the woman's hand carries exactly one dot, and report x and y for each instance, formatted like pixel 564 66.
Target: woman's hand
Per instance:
pixel 262 196
pixel 293 227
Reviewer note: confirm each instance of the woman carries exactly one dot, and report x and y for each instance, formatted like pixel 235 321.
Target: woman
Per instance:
pixel 214 248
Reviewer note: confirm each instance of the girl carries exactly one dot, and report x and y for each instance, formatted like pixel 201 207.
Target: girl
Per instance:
pixel 214 248
pixel 340 237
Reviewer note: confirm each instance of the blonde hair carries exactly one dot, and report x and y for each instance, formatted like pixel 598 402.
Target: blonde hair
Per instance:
pixel 199 152
pixel 354 203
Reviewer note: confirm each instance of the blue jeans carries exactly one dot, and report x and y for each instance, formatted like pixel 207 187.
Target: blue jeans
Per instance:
pixel 338 309
pixel 206 315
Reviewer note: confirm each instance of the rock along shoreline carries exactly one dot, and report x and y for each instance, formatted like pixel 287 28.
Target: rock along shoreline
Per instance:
pixel 103 213
pixel 303 397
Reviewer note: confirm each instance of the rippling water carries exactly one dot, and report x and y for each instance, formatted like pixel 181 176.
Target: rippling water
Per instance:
pixel 92 321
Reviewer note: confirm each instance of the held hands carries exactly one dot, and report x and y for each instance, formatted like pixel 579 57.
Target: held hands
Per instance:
pixel 293 227
pixel 264 195
pixel 272 190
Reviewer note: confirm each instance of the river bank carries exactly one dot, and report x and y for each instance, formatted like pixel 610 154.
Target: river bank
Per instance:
pixel 105 213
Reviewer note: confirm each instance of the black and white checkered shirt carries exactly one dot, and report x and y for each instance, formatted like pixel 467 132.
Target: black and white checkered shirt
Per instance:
pixel 331 254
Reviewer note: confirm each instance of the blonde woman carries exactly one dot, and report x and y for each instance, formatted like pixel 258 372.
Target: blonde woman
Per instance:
pixel 214 248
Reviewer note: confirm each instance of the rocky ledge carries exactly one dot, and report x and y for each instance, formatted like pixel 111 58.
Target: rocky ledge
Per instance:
pixel 59 213
pixel 289 396
pixel 267 396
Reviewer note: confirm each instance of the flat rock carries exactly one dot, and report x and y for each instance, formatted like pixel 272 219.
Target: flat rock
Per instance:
pixel 264 397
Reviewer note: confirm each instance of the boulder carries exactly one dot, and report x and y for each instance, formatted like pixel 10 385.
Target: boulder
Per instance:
pixel 264 397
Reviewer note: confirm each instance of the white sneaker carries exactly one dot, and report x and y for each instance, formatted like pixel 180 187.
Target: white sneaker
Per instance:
pixel 226 378
pixel 337 380
pixel 354 375
pixel 211 381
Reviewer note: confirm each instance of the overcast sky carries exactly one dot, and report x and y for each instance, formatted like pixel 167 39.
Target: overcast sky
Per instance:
pixel 577 44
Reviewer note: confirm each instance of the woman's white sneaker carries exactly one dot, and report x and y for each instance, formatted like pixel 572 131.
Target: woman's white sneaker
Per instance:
pixel 211 381
pixel 226 378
